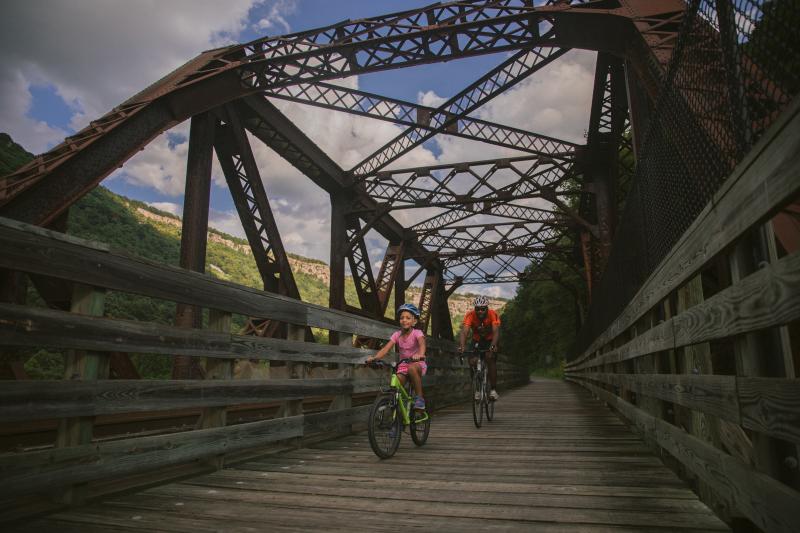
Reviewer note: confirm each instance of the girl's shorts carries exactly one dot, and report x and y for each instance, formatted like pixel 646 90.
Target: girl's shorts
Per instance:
pixel 403 367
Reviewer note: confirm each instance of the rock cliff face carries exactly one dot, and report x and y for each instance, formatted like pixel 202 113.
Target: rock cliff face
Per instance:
pixel 459 304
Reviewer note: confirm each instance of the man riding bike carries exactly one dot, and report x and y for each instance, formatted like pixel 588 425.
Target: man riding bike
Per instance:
pixel 485 326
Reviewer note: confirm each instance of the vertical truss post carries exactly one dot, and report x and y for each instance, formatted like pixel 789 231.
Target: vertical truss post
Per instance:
pixel 391 267
pixel 252 204
pixel 606 127
pixel 441 322
pixel 426 299
pixel 400 281
pixel 639 107
pixel 336 298
pixel 358 257
pixel 195 226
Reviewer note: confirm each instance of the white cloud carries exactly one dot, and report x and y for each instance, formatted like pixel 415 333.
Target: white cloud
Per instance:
pixel 97 53
pixel 275 16
pixel 227 222
pixel 15 103
pixel 168 207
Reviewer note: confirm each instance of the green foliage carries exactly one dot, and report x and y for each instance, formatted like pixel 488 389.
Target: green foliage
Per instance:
pixel 12 155
pixel 44 364
pixel 539 323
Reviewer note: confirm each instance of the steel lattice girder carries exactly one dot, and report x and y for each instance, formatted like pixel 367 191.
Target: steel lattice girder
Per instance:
pixel 434 33
pixel 360 267
pixel 250 198
pixel 496 81
pixel 505 236
pixel 328 96
pixel 469 182
pixel 265 64
pixel 393 263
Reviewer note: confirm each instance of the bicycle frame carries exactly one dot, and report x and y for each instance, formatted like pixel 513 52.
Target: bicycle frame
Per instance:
pixel 404 400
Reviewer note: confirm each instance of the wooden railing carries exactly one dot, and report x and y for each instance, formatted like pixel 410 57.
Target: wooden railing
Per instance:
pixel 82 463
pixel 704 359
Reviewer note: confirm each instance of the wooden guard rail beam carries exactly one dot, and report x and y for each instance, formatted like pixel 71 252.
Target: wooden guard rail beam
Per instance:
pixel 95 266
pixel 699 417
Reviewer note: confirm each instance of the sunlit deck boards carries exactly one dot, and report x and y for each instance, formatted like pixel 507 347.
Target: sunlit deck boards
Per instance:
pixel 553 460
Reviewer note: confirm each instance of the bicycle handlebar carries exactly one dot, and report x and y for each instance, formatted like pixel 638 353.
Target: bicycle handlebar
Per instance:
pixel 377 363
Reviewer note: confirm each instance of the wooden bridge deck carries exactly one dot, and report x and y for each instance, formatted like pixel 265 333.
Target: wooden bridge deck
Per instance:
pixel 554 459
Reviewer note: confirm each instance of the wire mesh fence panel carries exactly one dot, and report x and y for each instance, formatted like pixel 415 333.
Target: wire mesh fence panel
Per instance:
pixel 735 67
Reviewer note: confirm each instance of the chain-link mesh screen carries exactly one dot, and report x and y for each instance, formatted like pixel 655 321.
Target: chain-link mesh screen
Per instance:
pixel 736 65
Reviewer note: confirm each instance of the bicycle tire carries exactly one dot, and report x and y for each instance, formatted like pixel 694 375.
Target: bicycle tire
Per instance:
pixel 477 410
pixel 489 408
pixel 383 442
pixel 420 432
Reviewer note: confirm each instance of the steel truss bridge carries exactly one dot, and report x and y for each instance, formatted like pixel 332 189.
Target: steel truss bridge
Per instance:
pixel 678 213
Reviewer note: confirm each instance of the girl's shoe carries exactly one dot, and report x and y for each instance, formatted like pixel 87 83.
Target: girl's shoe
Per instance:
pixel 419 403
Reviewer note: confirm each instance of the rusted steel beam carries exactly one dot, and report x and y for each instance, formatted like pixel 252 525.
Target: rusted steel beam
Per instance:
pixel 391 268
pixel 496 81
pixel 354 101
pixel 194 228
pixel 270 126
pixel 468 183
pixel 393 41
pixel 426 297
pixel 252 203
pixel 361 268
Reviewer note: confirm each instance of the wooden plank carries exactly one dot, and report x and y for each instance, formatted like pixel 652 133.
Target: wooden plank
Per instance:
pixel 764 181
pixel 767 502
pixel 29 472
pixel 656 339
pixel 767 298
pixel 30 252
pixel 36 400
pixel 216 369
pixel 715 395
pixel 771 406
pixel 27 326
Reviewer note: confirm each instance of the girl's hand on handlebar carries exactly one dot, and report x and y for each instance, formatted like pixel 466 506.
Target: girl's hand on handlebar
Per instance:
pixel 418 357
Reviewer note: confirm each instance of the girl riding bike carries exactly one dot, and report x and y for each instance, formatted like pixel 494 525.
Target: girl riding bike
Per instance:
pixel 410 345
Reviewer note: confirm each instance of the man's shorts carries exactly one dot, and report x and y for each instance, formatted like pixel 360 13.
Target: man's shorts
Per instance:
pixel 402 368
pixel 483 346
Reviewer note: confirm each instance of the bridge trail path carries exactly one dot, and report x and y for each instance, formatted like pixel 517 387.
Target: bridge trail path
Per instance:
pixel 554 459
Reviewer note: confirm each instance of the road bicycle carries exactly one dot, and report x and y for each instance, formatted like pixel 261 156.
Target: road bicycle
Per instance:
pixel 481 403
pixel 393 411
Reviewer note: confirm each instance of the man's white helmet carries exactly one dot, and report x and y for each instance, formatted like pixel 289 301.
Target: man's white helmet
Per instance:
pixel 481 301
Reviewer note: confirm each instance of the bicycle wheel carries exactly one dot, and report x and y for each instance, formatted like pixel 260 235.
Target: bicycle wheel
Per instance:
pixel 384 427
pixel 489 404
pixel 477 410
pixel 420 430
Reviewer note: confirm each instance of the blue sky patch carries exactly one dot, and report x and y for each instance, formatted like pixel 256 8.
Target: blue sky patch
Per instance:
pixel 48 106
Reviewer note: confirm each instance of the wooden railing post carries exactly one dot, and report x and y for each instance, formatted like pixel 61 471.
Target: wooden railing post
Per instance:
pixel 217 369
pixel 81 365
pixel 343 371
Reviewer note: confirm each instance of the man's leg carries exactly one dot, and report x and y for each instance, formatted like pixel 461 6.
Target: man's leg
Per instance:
pixel 491 367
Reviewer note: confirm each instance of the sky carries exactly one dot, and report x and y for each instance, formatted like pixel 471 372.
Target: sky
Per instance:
pixel 63 64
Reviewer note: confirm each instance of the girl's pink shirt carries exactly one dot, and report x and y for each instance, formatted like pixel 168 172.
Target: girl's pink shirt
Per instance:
pixel 407 345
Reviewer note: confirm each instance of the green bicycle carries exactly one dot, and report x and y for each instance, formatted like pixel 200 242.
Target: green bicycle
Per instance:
pixel 391 412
